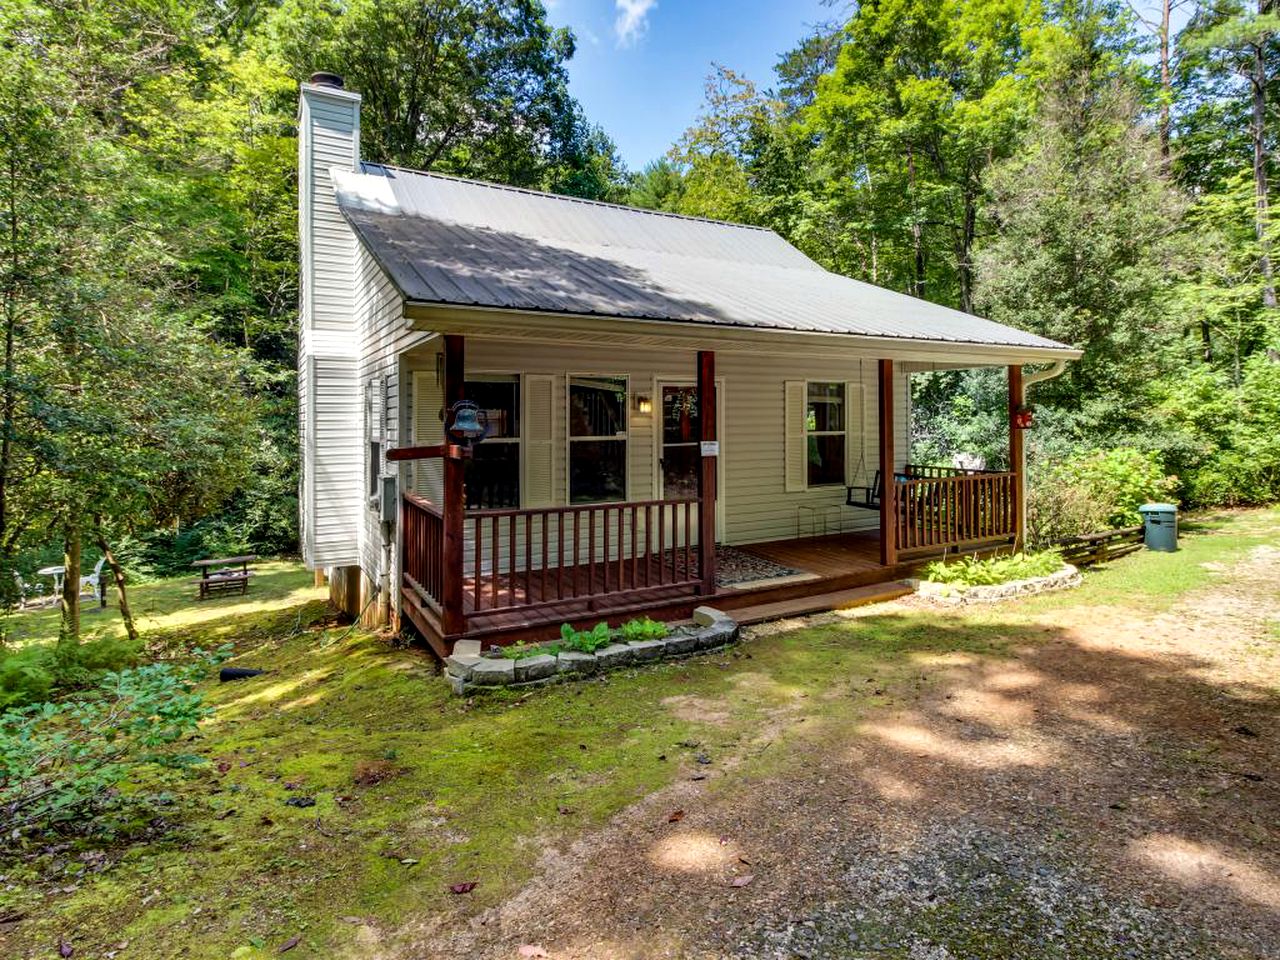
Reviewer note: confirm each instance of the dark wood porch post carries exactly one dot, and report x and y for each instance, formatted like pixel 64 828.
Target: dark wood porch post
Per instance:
pixel 1017 457
pixel 454 621
pixel 707 475
pixel 888 486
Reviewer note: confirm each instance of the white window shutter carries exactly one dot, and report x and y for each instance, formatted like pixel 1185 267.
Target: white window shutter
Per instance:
pixel 538 440
pixel 855 431
pixel 797 443
pixel 428 430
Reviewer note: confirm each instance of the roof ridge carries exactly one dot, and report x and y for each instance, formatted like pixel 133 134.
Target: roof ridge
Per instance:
pixel 548 195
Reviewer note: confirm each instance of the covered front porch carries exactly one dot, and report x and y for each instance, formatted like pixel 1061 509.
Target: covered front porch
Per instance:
pixel 510 573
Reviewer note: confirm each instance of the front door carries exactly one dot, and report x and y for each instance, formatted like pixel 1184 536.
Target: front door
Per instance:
pixel 680 452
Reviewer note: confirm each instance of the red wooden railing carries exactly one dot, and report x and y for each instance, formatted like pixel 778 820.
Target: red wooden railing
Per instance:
pixel 423 548
pixel 522 559
pixel 923 471
pixel 946 511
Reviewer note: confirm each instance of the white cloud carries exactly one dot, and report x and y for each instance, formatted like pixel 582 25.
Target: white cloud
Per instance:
pixel 632 21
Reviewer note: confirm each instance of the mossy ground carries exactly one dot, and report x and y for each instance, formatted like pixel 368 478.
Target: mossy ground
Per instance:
pixel 481 786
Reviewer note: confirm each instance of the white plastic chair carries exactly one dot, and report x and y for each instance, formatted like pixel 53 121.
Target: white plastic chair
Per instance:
pixel 90 583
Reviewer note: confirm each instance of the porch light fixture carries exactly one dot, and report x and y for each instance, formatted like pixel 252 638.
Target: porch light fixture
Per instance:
pixel 644 403
pixel 465 423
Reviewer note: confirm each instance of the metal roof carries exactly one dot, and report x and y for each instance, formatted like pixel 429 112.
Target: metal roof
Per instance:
pixel 445 240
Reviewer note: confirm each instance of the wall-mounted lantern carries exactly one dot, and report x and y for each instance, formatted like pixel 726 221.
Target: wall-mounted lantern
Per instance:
pixel 644 403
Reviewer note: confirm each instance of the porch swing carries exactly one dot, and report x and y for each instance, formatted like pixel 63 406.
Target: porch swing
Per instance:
pixel 864 497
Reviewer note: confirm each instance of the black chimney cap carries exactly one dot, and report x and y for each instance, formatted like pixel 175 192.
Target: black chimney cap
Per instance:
pixel 327 80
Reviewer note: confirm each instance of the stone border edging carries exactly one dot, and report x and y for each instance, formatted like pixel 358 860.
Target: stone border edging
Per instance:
pixel 947 593
pixel 712 630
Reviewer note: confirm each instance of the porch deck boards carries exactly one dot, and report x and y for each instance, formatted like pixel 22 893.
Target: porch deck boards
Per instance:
pixel 827 563
pixel 831 555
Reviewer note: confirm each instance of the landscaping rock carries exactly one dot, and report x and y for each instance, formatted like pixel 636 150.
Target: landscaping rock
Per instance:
pixel 467 648
pixel 571 661
pixel 717 635
pixel 614 655
pixel 647 649
pixel 535 668
pixel 467 673
pixel 493 672
pixel 461 666
pixel 682 642
pixel 708 616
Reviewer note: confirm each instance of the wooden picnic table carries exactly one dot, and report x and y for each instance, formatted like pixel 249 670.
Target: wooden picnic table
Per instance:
pixel 220 575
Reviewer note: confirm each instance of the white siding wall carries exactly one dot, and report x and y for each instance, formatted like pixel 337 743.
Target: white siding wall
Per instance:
pixel 757 507
pixel 328 386
pixel 383 339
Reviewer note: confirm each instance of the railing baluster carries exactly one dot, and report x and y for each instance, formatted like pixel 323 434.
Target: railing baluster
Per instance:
pixel 687 537
pixel 648 545
pixel 591 552
pixel 635 582
pixel 662 543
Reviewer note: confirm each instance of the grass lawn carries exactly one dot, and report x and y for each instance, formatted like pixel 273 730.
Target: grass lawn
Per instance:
pixel 474 790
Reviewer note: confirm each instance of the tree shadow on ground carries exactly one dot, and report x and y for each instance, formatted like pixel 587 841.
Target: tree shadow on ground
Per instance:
pixel 999 789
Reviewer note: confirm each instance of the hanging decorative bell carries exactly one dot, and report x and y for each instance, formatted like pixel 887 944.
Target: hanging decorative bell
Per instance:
pixel 466 424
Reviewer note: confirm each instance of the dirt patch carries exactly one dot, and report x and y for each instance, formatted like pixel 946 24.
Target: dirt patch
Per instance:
pixel 698 709
pixel 370 773
pixel 1104 789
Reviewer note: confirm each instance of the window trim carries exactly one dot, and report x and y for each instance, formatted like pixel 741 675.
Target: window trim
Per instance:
pixel 843 433
pixel 570 439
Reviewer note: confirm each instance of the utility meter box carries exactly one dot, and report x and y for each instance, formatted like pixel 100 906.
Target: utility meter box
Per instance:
pixel 390 498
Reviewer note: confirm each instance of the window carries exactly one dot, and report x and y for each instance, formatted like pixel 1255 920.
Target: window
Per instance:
pixel 597 439
pixel 493 472
pixel 824 433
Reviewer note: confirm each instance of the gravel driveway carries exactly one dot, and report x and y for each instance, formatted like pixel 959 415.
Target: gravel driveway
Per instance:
pixel 1106 788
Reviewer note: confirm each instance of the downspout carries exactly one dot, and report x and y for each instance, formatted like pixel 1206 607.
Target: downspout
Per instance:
pixel 1055 370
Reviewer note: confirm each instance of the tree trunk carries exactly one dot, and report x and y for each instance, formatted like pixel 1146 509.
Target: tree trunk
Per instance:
pixel 1166 83
pixel 917 232
pixel 70 631
pixel 964 247
pixel 1262 215
pixel 117 577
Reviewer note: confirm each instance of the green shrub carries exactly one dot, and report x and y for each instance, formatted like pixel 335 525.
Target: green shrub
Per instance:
pixel 585 641
pixel 88 765
pixel 38 671
pixel 972 572
pixel 1222 434
pixel 643 629
pixel 1094 491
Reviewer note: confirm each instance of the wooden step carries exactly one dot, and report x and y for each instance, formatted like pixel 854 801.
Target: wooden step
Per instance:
pixel 822 602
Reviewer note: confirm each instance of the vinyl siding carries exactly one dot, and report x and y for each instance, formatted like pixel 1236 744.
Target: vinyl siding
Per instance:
pixel 328 385
pixel 757 506
pixel 382 339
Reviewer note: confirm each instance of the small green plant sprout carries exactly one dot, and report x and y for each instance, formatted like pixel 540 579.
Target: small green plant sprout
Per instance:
pixel 973 572
pixel 586 641
pixel 643 629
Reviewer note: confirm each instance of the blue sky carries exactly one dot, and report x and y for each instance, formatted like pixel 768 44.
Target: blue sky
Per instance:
pixel 640 64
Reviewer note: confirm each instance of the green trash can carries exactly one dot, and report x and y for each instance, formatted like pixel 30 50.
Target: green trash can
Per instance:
pixel 1160 521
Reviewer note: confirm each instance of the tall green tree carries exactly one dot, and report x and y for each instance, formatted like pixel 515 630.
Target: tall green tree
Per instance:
pixel 1088 250
pixel 924 96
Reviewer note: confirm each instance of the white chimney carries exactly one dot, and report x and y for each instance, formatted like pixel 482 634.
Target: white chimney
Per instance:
pixel 328 384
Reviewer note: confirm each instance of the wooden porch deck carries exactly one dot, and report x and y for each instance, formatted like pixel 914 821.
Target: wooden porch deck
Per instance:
pixel 826 564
